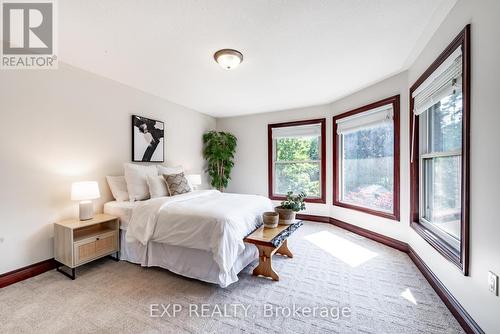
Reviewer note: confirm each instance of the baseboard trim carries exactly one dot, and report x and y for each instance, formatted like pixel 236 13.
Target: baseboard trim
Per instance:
pixel 313 218
pixel 21 274
pixel 385 240
pixel 463 318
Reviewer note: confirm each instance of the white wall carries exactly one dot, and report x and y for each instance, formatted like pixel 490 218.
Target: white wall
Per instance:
pixel 472 293
pixel 250 172
pixel 63 125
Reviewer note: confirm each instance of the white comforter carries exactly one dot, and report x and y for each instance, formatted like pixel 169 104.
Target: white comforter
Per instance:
pixel 206 219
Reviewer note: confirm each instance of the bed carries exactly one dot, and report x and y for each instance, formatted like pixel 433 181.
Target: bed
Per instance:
pixel 198 234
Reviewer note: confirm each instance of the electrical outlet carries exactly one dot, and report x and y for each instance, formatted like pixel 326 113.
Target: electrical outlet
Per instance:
pixel 493 283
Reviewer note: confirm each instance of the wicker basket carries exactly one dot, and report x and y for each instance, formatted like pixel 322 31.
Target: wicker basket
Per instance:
pixel 270 219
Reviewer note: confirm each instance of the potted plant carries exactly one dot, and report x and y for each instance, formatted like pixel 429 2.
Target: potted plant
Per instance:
pixel 219 149
pixel 289 207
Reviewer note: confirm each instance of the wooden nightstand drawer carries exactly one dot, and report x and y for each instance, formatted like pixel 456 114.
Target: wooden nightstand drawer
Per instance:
pixel 91 248
pixel 84 252
pixel 106 244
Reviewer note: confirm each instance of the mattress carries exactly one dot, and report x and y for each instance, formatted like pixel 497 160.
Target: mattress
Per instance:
pixel 122 210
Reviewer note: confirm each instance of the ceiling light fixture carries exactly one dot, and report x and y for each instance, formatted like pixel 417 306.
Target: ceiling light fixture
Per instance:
pixel 228 58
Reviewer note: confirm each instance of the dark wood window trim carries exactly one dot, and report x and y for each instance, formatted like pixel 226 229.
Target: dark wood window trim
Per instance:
pixel 461 260
pixel 270 127
pixel 395 101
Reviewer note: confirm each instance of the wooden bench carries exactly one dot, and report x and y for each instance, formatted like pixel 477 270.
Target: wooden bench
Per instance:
pixel 270 241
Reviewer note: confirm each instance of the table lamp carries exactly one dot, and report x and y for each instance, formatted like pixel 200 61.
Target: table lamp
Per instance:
pixel 85 192
pixel 195 180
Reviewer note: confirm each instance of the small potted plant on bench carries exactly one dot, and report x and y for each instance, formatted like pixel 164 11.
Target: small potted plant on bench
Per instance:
pixel 289 207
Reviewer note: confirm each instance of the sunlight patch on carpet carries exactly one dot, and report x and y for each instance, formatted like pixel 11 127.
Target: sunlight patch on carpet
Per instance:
pixel 343 249
pixel 409 296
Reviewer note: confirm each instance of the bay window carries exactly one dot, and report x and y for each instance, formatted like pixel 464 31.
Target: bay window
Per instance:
pixel 297 159
pixel 366 153
pixel 439 155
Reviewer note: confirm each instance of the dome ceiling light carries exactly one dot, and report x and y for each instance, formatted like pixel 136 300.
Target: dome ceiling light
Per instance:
pixel 228 58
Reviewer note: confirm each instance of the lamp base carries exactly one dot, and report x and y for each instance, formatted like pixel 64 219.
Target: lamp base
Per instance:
pixel 86 210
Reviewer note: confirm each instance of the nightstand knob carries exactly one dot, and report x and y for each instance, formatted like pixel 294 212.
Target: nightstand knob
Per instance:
pixel 96 238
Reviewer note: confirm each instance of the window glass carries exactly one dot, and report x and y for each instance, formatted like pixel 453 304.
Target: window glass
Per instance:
pixel 297 162
pixel 367 165
pixel 297 177
pixel 441 158
pixel 442 197
pixel 297 149
pixel 445 122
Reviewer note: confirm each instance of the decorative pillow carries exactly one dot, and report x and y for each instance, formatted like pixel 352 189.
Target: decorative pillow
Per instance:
pixel 177 184
pixel 118 187
pixel 136 177
pixel 157 186
pixel 162 170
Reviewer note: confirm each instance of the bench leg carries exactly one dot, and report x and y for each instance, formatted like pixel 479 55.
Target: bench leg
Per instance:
pixel 265 267
pixel 283 249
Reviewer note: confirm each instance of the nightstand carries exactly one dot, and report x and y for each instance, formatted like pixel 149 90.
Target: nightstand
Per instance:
pixel 78 242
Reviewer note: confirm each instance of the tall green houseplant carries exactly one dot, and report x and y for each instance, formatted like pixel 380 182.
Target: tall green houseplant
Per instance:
pixel 219 149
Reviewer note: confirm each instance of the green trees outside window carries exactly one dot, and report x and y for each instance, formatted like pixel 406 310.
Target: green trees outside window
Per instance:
pixel 297 165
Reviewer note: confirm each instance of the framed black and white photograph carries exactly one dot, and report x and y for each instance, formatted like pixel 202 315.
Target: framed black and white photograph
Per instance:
pixel 147 140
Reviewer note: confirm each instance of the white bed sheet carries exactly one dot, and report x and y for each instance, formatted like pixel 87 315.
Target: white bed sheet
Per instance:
pixel 122 210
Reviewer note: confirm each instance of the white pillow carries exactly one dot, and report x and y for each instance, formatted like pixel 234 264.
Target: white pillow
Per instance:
pixel 118 187
pixel 136 177
pixel 162 170
pixel 157 186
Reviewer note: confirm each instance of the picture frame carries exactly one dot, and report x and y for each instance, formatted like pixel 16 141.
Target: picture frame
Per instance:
pixel 148 139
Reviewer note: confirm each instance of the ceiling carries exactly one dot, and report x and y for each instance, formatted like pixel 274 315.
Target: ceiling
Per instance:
pixel 296 53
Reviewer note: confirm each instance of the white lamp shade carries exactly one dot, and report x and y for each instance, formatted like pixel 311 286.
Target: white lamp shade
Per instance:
pixel 194 179
pixel 83 191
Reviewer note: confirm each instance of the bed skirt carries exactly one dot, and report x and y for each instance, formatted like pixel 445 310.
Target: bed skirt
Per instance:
pixel 188 262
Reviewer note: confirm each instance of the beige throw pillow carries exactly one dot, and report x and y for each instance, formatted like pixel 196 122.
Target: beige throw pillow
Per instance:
pixel 177 184
pixel 157 186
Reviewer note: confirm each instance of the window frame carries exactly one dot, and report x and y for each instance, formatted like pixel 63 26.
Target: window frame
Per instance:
pixel 460 259
pixel 395 214
pixel 270 158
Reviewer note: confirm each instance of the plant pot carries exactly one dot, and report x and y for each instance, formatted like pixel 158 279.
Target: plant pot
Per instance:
pixel 287 216
pixel 270 219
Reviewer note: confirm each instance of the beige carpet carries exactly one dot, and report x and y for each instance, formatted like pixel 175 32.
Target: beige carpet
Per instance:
pixel 332 269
